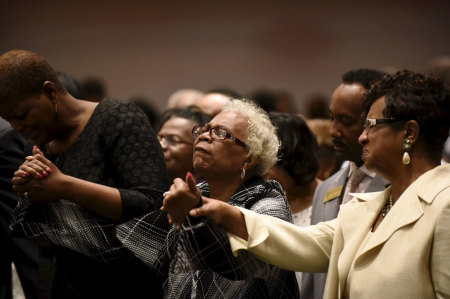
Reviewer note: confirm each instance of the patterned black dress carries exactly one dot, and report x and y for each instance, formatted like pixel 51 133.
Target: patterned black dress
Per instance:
pixel 117 148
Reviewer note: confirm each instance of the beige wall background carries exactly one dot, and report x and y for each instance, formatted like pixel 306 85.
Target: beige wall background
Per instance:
pixel 151 48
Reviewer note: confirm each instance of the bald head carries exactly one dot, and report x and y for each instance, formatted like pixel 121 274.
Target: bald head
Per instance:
pixel 212 103
pixel 183 98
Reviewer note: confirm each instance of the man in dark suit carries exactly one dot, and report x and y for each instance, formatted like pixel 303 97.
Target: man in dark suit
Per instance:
pixel 347 125
pixel 22 252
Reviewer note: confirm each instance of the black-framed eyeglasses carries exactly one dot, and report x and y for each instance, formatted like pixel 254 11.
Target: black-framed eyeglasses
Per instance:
pixel 216 133
pixel 372 122
pixel 172 140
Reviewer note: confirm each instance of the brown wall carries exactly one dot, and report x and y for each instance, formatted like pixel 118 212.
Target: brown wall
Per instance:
pixel 152 49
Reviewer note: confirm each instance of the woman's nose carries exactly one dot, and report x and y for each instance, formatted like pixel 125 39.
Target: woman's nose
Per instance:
pixel 362 139
pixel 205 136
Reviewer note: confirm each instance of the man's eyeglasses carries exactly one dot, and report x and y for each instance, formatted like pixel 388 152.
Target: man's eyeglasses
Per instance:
pixel 372 122
pixel 172 140
pixel 216 133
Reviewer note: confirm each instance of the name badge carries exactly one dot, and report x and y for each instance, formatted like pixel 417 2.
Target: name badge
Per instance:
pixel 333 193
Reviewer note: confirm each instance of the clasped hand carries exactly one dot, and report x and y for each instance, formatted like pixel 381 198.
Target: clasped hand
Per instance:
pixel 185 198
pixel 36 179
pixel 181 198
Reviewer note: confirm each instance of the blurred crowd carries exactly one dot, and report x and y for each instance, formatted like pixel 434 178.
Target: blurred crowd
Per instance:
pixel 97 193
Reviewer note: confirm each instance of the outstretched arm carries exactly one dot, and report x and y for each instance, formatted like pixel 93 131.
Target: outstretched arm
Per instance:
pixel 271 239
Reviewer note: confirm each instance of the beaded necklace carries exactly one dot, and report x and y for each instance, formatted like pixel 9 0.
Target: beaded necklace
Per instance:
pixel 387 206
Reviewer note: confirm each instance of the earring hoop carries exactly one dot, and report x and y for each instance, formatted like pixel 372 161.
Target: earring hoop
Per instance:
pixel 242 173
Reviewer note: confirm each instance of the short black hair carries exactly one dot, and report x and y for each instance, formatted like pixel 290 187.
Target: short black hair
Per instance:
pixel 365 77
pixel 192 112
pixel 298 151
pixel 414 96
pixel 22 75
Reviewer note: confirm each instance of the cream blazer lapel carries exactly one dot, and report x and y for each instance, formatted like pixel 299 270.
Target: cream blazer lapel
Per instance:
pixel 406 210
pixel 356 218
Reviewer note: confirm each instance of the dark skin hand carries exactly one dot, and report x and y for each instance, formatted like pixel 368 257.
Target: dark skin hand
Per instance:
pixel 32 174
pixel 32 181
pixel 223 214
pixel 182 197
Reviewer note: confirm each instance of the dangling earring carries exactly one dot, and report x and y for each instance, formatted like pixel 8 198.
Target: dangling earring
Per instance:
pixel 56 111
pixel 242 173
pixel 406 148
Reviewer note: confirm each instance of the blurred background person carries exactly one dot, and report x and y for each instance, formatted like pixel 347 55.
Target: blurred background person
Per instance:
pixel 183 98
pixel 213 101
pixel 329 162
pixel 147 107
pixel 274 100
pixel 296 167
pixel 22 252
pixel 317 106
pixel 346 126
pixel 94 89
pixel 175 135
pixel 71 85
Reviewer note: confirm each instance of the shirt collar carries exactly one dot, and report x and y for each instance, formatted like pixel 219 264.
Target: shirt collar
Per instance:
pixel 362 168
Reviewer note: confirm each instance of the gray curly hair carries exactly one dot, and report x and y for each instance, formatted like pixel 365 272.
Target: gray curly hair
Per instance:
pixel 261 139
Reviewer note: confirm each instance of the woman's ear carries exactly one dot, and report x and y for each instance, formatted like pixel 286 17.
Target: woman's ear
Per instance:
pixel 251 162
pixel 49 89
pixel 412 130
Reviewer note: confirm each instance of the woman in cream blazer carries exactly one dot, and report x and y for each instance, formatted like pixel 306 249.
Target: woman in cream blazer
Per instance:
pixel 390 244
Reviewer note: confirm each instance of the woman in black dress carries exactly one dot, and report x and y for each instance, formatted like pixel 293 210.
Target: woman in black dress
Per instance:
pixel 95 165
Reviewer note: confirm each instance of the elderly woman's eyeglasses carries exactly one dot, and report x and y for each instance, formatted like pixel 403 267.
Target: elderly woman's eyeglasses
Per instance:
pixel 372 122
pixel 216 133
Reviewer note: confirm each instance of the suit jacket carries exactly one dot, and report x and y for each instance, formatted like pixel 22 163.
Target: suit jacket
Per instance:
pixel 326 205
pixel 406 257
pixel 23 252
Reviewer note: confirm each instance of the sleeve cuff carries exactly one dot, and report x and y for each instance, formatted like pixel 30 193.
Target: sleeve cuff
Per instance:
pixel 257 232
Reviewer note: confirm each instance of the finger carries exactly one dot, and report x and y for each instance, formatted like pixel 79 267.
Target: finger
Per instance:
pixel 190 181
pixel 179 184
pixel 170 219
pixel 42 159
pixel 36 150
pixel 196 212
pixel 202 211
pixel 34 170
pixel 39 167
pixel 20 180
pixel 199 212
pixel 21 173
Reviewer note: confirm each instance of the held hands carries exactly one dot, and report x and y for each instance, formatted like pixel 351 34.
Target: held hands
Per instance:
pixel 33 180
pixel 182 197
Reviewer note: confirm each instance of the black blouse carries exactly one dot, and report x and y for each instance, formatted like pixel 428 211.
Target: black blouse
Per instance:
pixel 118 148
